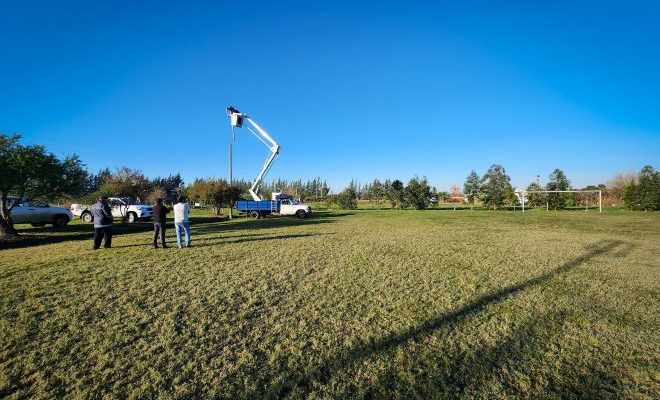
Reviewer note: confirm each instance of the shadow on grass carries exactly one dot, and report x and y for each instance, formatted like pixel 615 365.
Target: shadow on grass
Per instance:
pixel 42 236
pixel 303 384
pixel 515 363
pixel 29 237
pixel 215 241
pixel 243 223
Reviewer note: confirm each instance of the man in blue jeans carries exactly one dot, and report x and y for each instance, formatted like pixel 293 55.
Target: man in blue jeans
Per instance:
pixel 181 211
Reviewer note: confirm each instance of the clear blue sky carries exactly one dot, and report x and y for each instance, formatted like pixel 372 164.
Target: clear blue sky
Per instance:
pixel 350 89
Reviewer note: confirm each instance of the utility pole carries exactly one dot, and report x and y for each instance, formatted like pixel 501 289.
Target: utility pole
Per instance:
pixel 230 178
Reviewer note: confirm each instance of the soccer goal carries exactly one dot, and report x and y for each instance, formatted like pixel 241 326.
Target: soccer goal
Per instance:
pixel 522 196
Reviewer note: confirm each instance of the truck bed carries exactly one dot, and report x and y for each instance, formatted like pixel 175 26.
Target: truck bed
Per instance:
pixel 251 205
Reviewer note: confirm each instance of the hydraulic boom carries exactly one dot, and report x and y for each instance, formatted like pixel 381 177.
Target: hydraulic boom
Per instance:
pixel 236 119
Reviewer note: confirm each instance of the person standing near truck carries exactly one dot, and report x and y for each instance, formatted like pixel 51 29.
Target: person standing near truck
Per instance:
pixel 160 221
pixel 181 211
pixel 102 216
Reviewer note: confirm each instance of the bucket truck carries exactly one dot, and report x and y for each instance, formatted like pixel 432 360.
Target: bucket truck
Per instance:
pixel 279 204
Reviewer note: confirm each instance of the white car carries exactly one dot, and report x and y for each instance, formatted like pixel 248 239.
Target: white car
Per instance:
pixel 40 213
pixel 121 208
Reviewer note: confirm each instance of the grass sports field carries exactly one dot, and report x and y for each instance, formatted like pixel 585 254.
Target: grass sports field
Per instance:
pixel 366 304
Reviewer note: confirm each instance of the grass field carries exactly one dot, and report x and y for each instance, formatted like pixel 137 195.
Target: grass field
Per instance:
pixel 366 304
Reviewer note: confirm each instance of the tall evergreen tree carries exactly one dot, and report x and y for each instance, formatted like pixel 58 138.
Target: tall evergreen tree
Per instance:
pixel 559 181
pixel 645 194
pixel 471 187
pixel 417 193
pixel 347 199
pixel 395 193
pixel 496 186
pixel 534 199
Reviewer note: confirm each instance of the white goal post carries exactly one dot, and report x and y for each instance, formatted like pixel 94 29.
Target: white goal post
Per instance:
pixel 523 193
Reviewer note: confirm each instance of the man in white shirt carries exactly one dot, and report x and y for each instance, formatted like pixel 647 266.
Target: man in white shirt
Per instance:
pixel 181 210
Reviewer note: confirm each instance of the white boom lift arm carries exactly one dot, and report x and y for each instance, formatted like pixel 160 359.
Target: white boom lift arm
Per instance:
pixel 236 119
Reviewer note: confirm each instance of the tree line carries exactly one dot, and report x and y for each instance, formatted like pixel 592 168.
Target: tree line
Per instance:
pixel 31 171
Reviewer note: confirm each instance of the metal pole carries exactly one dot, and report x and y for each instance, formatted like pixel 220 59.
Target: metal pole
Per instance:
pixel 230 177
pixel 600 201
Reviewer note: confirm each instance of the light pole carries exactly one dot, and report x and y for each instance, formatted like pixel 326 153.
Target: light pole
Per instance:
pixel 231 182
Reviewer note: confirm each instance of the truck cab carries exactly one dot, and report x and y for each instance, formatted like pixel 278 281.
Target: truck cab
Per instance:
pixel 291 206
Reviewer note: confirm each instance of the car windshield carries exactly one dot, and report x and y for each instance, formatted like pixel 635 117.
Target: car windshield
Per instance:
pixel 10 201
pixel 290 200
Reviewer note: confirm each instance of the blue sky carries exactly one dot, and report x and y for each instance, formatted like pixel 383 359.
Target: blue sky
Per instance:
pixel 349 89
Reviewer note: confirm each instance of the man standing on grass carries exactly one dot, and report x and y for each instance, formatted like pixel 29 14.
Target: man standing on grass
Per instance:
pixel 102 215
pixel 181 210
pixel 160 220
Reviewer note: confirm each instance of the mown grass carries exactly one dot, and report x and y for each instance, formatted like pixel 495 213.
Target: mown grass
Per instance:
pixel 367 304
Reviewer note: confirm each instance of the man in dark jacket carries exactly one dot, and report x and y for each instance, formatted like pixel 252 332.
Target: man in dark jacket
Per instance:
pixel 102 215
pixel 160 219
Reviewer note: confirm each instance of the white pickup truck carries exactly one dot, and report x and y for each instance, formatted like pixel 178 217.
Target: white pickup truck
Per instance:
pixel 280 205
pixel 122 208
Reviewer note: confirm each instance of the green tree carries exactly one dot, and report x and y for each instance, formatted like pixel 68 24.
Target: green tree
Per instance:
pixel 127 182
pixel 559 181
pixel 395 193
pixel 496 186
pixel 471 187
pixel 417 193
pixel 214 192
pixel 347 199
pixel 30 171
pixel 645 194
pixel 96 181
pixel 225 195
pixel 377 193
pixel 534 199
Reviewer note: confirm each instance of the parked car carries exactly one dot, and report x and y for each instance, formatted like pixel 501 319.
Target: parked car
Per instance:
pixel 121 208
pixel 39 213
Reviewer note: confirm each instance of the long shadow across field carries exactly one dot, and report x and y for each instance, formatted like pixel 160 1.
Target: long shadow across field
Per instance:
pixel 268 223
pixel 42 236
pixel 31 237
pixel 323 373
pixel 218 240
pixel 523 349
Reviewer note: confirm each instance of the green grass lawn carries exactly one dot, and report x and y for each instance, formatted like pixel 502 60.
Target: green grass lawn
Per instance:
pixel 368 304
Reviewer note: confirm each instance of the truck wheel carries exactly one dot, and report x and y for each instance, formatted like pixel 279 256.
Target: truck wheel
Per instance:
pixel 60 221
pixel 131 217
pixel 254 214
pixel 87 217
pixel 301 214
